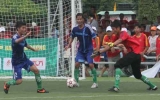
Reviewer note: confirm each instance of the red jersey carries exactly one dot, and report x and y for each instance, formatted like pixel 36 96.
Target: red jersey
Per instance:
pixel 130 43
pixel 97 58
pixel 111 38
pixel 147 33
pixel 158 46
pixel 144 42
pixel 124 21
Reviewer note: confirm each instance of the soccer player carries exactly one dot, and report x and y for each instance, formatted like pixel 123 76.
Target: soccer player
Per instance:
pixel 20 60
pixel 132 58
pixel 84 34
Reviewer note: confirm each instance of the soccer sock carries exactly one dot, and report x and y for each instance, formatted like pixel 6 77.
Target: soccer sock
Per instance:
pixel 94 75
pixel 11 82
pixel 76 74
pixel 145 80
pixel 117 77
pixel 39 81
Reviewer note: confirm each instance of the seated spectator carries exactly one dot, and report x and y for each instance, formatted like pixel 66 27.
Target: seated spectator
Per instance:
pixel 124 28
pixel 2 32
pixel 8 34
pixel 92 21
pixel 158 45
pixel 158 21
pixel 132 22
pixel 147 24
pixel 122 20
pixel 113 55
pixel 152 41
pixel 143 27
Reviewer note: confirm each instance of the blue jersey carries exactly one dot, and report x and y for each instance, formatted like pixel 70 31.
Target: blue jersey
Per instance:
pixel 84 36
pixel 18 55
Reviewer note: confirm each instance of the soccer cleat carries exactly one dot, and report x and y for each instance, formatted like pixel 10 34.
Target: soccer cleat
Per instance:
pixel 42 91
pixel 154 88
pixel 95 85
pixel 6 88
pixel 76 85
pixel 114 89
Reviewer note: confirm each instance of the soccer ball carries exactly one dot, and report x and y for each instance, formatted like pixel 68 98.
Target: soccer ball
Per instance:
pixel 71 82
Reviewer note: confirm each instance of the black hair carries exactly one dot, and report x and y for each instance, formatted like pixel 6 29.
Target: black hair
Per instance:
pixel 92 15
pixel 137 25
pixel 121 14
pixel 106 12
pixel 93 7
pixel 143 26
pixel 20 24
pixel 134 15
pixel 116 24
pixel 80 14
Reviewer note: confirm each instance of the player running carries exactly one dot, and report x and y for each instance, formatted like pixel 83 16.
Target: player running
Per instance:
pixel 20 60
pixel 84 34
pixel 132 58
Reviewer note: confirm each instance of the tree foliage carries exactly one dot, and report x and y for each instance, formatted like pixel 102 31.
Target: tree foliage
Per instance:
pixel 21 8
pixel 149 9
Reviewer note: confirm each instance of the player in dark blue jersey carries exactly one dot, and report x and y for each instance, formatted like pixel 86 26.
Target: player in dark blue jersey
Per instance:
pixel 84 34
pixel 20 60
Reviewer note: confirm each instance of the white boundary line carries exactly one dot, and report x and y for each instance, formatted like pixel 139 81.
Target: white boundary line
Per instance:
pixel 56 97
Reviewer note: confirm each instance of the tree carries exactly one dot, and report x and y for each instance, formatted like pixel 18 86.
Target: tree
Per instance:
pixel 25 9
pixel 149 9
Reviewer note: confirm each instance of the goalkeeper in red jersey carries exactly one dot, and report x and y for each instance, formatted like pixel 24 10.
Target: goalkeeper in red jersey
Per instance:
pixel 132 58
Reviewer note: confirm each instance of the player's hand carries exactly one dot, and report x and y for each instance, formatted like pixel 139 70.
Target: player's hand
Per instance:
pixel 29 33
pixel 113 50
pixel 148 52
pixel 125 50
pixel 95 53
pixel 37 49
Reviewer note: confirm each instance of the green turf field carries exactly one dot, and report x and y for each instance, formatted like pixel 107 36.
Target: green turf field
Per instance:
pixel 130 89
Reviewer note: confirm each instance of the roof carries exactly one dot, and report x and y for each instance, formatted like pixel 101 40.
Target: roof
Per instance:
pixel 117 12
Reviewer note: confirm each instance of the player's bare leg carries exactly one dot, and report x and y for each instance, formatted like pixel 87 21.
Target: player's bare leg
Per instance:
pixel 38 80
pixel 94 73
pixel 76 73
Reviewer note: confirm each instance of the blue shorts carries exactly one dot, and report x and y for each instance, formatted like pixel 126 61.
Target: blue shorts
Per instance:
pixel 18 69
pixel 82 57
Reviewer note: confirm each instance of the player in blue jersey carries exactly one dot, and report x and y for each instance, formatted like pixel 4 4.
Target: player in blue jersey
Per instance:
pixel 20 60
pixel 84 34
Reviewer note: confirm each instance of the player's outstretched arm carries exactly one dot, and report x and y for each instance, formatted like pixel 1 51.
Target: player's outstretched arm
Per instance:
pixel 22 38
pixel 31 48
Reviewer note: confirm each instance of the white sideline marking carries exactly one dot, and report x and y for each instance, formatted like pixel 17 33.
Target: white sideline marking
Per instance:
pixel 109 95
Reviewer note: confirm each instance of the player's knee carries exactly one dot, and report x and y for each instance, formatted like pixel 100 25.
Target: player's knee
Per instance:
pixel 19 81
pixel 36 71
pixel 91 66
pixel 117 66
pixel 77 64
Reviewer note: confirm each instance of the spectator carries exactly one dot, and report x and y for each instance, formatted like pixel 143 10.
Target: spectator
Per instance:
pixel 124 28
pixel 152 42
pixel 143 27
pixel 2 32
pixel 93 21
pixel 132 22
pixel 146 23
pixel 12 22
pixel 104 20
pixel 122 20
pixel 158 21
pixel 93 11
pixel 158 44
pixel 113 55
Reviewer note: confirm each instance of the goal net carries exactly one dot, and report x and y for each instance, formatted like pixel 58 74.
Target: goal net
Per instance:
pixel 51 22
